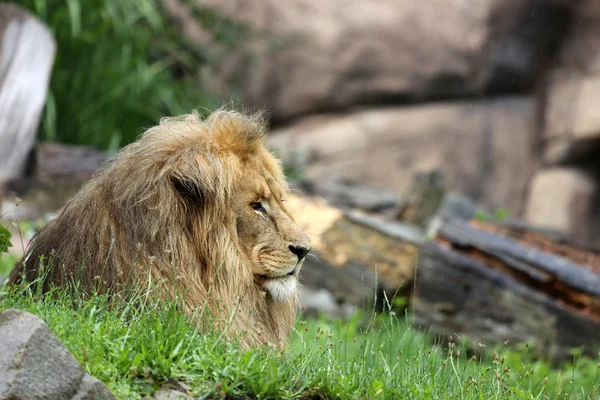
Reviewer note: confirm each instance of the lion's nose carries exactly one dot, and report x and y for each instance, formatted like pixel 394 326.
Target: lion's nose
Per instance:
pixel 300 251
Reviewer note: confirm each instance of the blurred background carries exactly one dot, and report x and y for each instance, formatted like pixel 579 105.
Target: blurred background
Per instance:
pixel 394 120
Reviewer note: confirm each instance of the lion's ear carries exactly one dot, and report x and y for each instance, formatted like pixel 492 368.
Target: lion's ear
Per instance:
pixel 188 190
pixel 199 179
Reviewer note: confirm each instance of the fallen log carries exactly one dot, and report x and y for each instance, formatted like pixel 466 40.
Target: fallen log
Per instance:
pixel 355 256
pixel 492 284
pixel 26 56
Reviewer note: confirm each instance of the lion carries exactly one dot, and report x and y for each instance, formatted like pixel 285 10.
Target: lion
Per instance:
pixel 197 205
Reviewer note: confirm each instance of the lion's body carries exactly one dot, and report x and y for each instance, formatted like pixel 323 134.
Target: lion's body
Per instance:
pixel 170 209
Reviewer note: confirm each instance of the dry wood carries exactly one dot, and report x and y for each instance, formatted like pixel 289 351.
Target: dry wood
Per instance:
pixel 26 56
pixel 355 254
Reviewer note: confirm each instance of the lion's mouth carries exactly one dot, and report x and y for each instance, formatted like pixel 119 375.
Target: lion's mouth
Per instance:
pixel 274 278
pixel 288 275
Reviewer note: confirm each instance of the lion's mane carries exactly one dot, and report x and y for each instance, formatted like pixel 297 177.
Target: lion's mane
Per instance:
pixel 128 225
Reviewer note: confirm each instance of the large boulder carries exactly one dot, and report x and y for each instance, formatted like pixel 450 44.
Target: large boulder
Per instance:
pixel 34 365
pixel 563 199
pixel 302 56
pixel 484 149
pixel 572 120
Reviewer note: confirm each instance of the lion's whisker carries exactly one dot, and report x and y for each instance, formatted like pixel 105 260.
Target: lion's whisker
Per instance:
pixel 314 256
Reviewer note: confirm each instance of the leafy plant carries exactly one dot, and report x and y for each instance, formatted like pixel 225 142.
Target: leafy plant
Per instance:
pixel 120 66
pixel 6 261
pixel 5 236
pixel 502 214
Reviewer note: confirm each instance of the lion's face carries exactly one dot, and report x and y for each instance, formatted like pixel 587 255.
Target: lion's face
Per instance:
pixel 268 235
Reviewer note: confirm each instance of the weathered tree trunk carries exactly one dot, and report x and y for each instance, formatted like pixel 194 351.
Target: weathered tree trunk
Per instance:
pixel 26 56
pixel 495 284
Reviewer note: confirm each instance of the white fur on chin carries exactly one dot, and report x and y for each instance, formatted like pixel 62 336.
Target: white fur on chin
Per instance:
pixel 281 289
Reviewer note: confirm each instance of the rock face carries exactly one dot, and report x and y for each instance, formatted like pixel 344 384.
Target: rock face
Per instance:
pixel 306 56
pixel 483 149
pixel 572 118
pixel 563 198
pixel 429 71
pixel 35 365
pixel 572 121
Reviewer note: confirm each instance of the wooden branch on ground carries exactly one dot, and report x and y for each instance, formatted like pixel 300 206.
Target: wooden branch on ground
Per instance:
pixel 491 284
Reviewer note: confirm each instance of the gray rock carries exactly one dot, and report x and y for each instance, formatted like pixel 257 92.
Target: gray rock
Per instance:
pixel 484 148
pixel 35 365
pixel 317 301
pixel 283 58
pixel 563 198
pixel 571 121
pixel 92 389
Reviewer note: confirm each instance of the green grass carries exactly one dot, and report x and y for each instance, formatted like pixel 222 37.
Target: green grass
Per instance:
pixel 136 350
pixel 5 236
pixel 7 262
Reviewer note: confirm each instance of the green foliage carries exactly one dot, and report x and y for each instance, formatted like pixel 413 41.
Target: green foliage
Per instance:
pixel 119 68
pixel 500 215
pixel 6 261
pixel 481 215
pixel 5 236
pixel 136 347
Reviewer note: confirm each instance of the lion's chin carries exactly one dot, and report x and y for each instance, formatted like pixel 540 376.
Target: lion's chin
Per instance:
pixel 281 289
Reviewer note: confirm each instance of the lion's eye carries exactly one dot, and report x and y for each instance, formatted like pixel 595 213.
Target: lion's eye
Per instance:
pixel 257 206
